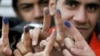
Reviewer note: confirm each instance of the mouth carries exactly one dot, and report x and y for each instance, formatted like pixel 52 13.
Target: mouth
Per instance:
pixel 82 28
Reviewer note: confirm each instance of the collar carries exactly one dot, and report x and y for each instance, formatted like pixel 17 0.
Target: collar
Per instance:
pixel 95 44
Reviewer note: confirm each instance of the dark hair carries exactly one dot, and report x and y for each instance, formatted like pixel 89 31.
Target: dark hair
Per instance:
pixel 14 4
pixel 97 28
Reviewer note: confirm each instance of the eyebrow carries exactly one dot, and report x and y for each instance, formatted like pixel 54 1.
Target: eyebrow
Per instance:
pixel 40 1
pixel 71 1
pixel 93 4
pixel 23 4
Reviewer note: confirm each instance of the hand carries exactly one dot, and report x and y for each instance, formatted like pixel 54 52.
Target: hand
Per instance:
pixel 44 32
pixel 40 34
pixel 46 51
pixel 74 42
pixel 78 45
pixel 4 41
pixel 24 46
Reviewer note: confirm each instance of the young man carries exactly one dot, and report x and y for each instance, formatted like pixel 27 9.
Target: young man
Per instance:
pixel 79 18
pixel 28 11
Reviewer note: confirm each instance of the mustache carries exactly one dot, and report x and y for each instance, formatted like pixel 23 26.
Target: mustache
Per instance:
pixel 83 26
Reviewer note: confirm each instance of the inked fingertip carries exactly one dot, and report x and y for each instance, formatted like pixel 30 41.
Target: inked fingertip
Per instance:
pixel 47 11
pixel 58 11
pixel 27 29
pixel 5 20
pixel 67 24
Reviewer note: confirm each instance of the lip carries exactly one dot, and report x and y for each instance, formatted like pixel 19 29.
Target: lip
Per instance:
pixel 82 28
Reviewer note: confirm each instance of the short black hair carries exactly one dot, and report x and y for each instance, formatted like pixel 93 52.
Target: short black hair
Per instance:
pixel 14 4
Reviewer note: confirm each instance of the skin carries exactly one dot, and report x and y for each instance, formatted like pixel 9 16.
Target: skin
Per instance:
pixel 33 14
pixel 45 52
pixel 83 14
pixel 31 10
pixel 76 30
pixel 4 41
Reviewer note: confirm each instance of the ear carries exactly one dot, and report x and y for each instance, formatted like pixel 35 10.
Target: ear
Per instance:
pixel 52 4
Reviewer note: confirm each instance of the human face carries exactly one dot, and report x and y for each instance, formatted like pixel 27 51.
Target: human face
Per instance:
pixel 31 10
pixel 83 14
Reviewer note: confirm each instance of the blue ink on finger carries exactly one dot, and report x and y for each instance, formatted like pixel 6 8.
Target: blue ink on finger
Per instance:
pixel 67 23
pixel 47 11
pixel 27 29
pixel 5 20
pixel 58 11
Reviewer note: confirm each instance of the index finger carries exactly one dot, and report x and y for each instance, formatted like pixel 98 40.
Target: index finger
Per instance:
pixel 47 20
pixel 76 35
pixel 5 31
pixel 27 38
pixel 51 42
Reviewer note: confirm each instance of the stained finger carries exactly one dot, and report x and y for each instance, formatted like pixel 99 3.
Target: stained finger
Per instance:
pixel 47 20
pixel 5 31
pixel 27 38
pixel 74 32
pixel 59 26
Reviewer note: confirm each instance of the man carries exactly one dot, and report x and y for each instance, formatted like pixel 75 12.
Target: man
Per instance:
pixel 79 18
pixel 30 10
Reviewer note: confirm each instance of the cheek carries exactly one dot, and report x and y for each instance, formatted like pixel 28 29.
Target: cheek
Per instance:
pixel 27 16
pixel 93 18
pixel 66 14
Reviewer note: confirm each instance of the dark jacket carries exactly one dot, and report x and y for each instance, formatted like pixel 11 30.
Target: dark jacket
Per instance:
pixel 14 34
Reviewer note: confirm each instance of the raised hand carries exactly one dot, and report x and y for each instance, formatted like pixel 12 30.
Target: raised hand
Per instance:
pixel 44 32
pixel 45 52
pixel 68 35
pixel 79 46
pixel 24 46
pixel 4 41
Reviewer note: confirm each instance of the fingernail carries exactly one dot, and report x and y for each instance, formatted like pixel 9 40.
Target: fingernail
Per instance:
pixel 58 11
pixel 67 23
pixel 34 43
pixel 27 29
pixel 47 11
pixel 5 20
pixel 55 32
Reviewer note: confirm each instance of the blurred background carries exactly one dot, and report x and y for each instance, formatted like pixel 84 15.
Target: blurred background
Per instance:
pixel 6 8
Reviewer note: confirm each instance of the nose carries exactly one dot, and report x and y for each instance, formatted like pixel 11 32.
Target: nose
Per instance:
pixel 37 11
pixel 80 16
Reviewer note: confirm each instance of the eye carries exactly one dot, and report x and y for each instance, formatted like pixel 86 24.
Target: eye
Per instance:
pixel 27 7
pixel 44 3
pixel 72 5
pixel 92 7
